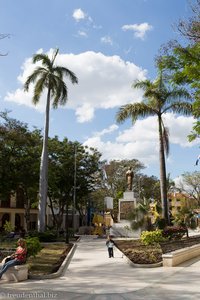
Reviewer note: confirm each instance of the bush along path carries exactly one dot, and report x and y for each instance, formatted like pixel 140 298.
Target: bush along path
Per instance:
pixel 139 253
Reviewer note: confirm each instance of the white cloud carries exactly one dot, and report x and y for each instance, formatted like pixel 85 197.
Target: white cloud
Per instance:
pixel 138 29
pixel 84 113
pixel 140 141
pixel 82 33
pixel 79 14
pixel 104 82
pixel 178 181
pixel 118 150
pixel 110 129
pixel 107 40
pixel 181 184
pixel 142 130
pixel 179 129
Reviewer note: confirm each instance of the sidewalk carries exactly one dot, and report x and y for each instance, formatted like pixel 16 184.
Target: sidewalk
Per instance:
pixel 92 275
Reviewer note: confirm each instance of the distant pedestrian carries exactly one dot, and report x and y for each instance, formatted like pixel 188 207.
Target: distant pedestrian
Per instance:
pixel 110 244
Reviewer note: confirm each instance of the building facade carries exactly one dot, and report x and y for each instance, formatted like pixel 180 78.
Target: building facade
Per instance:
pixel 13 210
pixel 177 201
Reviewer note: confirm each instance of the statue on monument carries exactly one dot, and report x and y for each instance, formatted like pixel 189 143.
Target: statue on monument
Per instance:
pixel 129 179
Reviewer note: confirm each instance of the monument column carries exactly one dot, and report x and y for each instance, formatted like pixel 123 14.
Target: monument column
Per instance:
pixel 128 202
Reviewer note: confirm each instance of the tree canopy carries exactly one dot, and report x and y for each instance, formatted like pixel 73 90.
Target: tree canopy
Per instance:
pixel 180 60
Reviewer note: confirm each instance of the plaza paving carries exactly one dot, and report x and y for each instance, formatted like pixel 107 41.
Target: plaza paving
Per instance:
pixel 92 275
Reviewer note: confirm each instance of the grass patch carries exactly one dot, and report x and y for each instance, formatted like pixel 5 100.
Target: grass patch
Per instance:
pixel 49 259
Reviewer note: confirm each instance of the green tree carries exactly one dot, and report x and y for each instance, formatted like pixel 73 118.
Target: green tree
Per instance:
pixel 159 98
pixel 62 156
pixel 182 65
pixel 140 216
pixel 51 77
pixel 147 188
pixel 181 61
pixel 190 184
pixel 114 179
pixel 184 68
pixel 111 182
pixel 19 163
pixel 115 172
pixel 87 165
pixel 190 29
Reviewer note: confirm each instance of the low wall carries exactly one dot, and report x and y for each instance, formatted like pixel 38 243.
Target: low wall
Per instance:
pixel 176 257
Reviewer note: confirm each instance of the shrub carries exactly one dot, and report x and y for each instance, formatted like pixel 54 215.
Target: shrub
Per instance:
pixel 71 232
pixel 160 223
pixel 47 236
pixel 174 232
pixel 33 246
pixel 137 224
pixel 152 237
pixel 8 227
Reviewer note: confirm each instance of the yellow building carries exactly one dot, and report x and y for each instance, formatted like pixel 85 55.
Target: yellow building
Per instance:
pixel 13 210
pixel 179 200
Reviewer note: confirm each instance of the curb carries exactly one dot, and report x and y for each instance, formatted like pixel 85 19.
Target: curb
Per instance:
pixel 64 265
pixel 132 264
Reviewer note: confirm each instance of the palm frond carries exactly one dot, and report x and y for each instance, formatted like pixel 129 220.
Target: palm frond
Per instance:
pixel 60 94
pixel 39 88
pixel 66 72
pixel 38 72
pixel 184 108
pixel 54 56
pixel 64 93
pixel 44 59
pixel 179 94
pixel 58 72
pixel 133 111
pixel 144 84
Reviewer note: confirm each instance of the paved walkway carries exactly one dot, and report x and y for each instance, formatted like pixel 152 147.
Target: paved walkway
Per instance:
pixel 91 275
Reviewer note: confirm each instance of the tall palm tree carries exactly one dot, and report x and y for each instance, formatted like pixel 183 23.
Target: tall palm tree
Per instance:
pixel 158 98
pixel 51 77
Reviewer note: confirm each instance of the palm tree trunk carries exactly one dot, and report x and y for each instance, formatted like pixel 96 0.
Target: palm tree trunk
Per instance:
pixel 163 181
pixel 43 184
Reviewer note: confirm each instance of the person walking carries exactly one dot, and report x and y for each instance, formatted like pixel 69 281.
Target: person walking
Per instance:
pixel 110 244
pixel 17 258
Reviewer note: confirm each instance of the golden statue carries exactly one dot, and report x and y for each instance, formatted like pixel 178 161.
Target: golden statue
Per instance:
pixel 129 179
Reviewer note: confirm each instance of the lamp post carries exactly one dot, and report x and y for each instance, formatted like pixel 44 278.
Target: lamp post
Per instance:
pixel 67 223
pixel 74 191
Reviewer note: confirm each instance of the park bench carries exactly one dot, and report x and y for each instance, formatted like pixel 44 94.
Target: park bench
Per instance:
pixel 16 273
pixel 179 256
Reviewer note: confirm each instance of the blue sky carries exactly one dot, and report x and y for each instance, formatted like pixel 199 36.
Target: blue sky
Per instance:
pixel 108 44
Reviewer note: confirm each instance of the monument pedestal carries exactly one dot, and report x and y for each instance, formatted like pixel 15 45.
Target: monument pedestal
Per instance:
pixel 126 205
pixel 123 228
